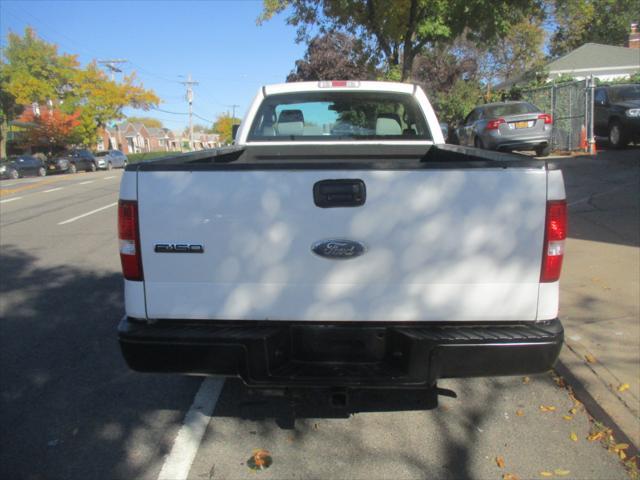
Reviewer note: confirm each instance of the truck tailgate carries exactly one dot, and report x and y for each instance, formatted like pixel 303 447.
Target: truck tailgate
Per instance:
pixel 441 245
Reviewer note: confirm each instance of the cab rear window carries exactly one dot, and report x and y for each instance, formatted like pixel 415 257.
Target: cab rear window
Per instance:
pixel 339 116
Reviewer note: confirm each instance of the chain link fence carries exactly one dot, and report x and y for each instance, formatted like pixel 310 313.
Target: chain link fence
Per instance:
pixel 571 106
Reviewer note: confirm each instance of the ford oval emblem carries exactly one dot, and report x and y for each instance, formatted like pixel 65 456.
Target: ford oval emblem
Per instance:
pixel 338 249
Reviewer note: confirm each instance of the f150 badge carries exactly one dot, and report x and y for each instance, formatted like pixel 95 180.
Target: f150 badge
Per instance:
pixel 338 249
pixel 178 248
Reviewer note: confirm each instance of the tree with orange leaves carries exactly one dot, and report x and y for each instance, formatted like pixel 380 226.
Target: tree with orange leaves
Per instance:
pixel 50 127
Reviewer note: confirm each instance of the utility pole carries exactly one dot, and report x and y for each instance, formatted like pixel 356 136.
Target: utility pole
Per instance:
pixel 189 83
pixel 111 65
pixel 233 115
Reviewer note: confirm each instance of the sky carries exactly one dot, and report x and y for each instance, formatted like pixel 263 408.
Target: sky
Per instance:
pixel 217 42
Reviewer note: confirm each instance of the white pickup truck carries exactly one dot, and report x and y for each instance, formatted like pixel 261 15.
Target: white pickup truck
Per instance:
pixel 341 243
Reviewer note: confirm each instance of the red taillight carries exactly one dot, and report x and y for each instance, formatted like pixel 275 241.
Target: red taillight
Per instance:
pixel 129 240
pixel 546 117
pixel 554 235
pixel 338 83
pixel 495 123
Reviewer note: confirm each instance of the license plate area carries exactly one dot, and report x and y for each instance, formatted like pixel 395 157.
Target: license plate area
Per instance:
pixel 322 343
pixel 523 124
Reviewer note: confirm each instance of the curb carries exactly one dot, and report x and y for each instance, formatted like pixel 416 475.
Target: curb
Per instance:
pixel 600 401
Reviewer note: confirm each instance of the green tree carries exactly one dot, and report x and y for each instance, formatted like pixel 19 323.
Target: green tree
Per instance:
pixel 32 70
pixel 223 126
pixel 519 51
pixel 597 21
pixel 332 56
pixel 398 30
pixel 455 103
pixel 146 121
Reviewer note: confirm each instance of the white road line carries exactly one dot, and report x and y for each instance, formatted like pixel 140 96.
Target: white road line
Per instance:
pixel 109 178
pixel 88 213
pixel 10 184
pixel 10 200
pixel 178 463
pixel 53 190
pixel 86 183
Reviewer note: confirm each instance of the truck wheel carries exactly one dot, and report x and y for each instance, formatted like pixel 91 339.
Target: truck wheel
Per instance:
pixel 477 142
pixel 543 151
pixel 617 137
pixel 42 172
pixel 73 168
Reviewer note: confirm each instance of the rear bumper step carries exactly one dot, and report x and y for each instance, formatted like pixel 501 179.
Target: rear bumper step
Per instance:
pixel 372 354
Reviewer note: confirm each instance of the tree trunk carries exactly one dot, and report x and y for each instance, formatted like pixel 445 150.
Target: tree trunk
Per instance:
pixel 4 133
pixel 408 52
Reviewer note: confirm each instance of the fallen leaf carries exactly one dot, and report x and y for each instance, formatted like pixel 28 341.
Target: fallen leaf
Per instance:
pixel 574 436
pixel 573 411
pixel 567 417
pixel 520 412
pixel 595 436
pixel 623 387
pixel 590 358
pixel 622 455
pixel 620 446
pixel 547 408
pixel 500 462
pixel 526 380
pixel 260 460
pixel 546 474
pixel 561 473
pixel 510 476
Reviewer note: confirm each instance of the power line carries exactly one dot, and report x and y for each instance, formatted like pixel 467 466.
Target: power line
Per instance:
pixel 167 111
pixel 113 66
pixel 202 118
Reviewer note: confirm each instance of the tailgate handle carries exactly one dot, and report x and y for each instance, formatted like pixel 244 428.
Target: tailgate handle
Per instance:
pixel 339 193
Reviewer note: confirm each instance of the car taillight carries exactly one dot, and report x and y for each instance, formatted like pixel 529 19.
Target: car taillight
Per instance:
pixel 495 123
pixel 546 117
pixel 339 83
pixel 129 240
pixel 554 235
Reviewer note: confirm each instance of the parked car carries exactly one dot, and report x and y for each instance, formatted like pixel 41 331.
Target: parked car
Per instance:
pixel 74 160
pixel 112 159
pixel 22 166
pixel 342 259
pixel 617 114
pixel 507 126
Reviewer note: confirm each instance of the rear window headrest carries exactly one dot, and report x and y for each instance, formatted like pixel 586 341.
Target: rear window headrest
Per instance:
pixel 288 116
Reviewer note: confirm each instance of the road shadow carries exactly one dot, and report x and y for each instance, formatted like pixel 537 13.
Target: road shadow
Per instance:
pixel 603 193
pixel 267 415
pixel 69 406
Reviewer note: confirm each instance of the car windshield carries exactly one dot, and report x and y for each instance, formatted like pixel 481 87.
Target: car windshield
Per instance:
pixel 102 154
pixel 624 92
pixel 509 109
pixel 334 116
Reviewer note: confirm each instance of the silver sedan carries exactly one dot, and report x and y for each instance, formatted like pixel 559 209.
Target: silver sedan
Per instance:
pixel 507 126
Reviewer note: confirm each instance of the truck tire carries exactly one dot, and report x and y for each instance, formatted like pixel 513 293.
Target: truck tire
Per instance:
pixel 543 151
pixel 617 136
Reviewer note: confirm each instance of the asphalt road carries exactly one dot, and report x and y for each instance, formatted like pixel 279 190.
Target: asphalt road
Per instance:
pixel 70 408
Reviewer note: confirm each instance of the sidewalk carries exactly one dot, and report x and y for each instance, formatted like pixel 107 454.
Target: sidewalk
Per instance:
pixel 600 285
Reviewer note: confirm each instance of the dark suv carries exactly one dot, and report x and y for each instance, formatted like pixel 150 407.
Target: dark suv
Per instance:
pixel 74 160
pixel 617 113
